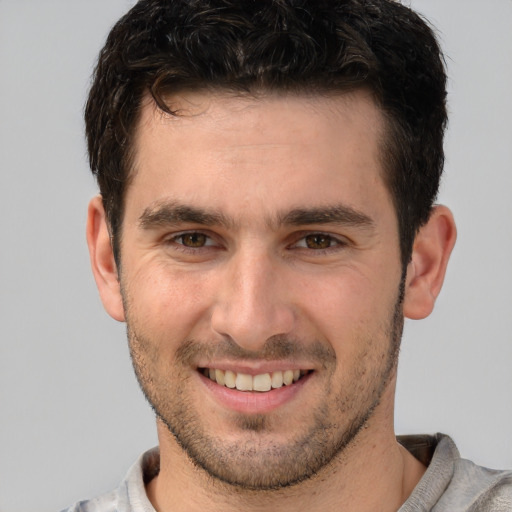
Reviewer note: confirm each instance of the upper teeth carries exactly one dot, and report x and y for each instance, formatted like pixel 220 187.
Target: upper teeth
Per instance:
pixel 261 382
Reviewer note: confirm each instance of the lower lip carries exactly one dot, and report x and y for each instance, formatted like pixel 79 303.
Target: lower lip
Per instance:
pixel 254 402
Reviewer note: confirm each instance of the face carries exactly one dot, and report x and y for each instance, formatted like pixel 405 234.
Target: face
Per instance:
pixel 260 274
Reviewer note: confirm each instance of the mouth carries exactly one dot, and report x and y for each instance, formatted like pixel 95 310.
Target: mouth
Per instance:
pixel 262 383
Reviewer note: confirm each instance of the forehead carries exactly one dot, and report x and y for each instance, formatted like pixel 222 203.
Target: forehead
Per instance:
pixel 224 112
pixel 273 149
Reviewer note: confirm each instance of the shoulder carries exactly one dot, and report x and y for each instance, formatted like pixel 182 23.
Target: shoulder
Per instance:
pixel 454 484
pixel 105 503
pixel 130 496
pixel 483 489
pixel 471 487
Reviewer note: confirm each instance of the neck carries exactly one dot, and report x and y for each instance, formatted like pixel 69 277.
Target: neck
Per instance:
pixel 373 473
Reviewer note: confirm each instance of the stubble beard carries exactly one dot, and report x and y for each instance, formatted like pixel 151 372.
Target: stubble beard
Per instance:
pixel 260 461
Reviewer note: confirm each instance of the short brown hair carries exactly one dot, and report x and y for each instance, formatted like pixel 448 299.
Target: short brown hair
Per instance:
pixel 308 46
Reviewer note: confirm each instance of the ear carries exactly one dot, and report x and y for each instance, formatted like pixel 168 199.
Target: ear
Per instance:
pixel 426 270
pixel 102 259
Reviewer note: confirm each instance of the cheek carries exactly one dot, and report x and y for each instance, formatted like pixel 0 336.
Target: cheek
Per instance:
pixel 166 305
pixel 352 313
pixel 339 299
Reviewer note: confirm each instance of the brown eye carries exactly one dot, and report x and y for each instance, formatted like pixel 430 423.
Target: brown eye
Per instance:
pixel 193 240
pixel 318 241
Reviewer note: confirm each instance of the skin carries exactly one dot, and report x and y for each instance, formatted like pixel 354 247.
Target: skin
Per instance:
pixel 256 280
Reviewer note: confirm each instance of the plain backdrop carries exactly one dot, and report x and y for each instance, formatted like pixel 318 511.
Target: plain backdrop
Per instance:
pixel 72 419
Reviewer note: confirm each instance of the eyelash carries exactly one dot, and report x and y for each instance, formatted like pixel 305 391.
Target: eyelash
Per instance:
pixel 335 243
pixel 190 249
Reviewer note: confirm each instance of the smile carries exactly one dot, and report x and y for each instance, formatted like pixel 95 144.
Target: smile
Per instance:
pixel 262 382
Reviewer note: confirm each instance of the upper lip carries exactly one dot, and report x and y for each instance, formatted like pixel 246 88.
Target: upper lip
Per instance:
pixel 256 368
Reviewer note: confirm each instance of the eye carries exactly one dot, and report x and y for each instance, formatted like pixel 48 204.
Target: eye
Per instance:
pixel 193 240
pixel 318 241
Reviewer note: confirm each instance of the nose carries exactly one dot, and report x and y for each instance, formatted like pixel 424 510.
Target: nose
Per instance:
pixel 251 304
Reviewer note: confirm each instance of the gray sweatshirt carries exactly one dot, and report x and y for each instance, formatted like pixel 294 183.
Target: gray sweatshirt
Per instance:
pixel 450 484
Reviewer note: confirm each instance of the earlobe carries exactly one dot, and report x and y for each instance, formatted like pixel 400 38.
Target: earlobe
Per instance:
pixel 102 259
pixel 426 270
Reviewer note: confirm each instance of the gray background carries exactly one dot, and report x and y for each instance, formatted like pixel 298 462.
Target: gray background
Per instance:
pixel 71 416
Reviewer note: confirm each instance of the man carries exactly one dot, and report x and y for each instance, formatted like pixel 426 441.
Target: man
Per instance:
pixel 268 172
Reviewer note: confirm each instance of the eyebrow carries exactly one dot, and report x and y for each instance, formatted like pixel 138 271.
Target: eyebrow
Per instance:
pixel 337 214
pixel 173 214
